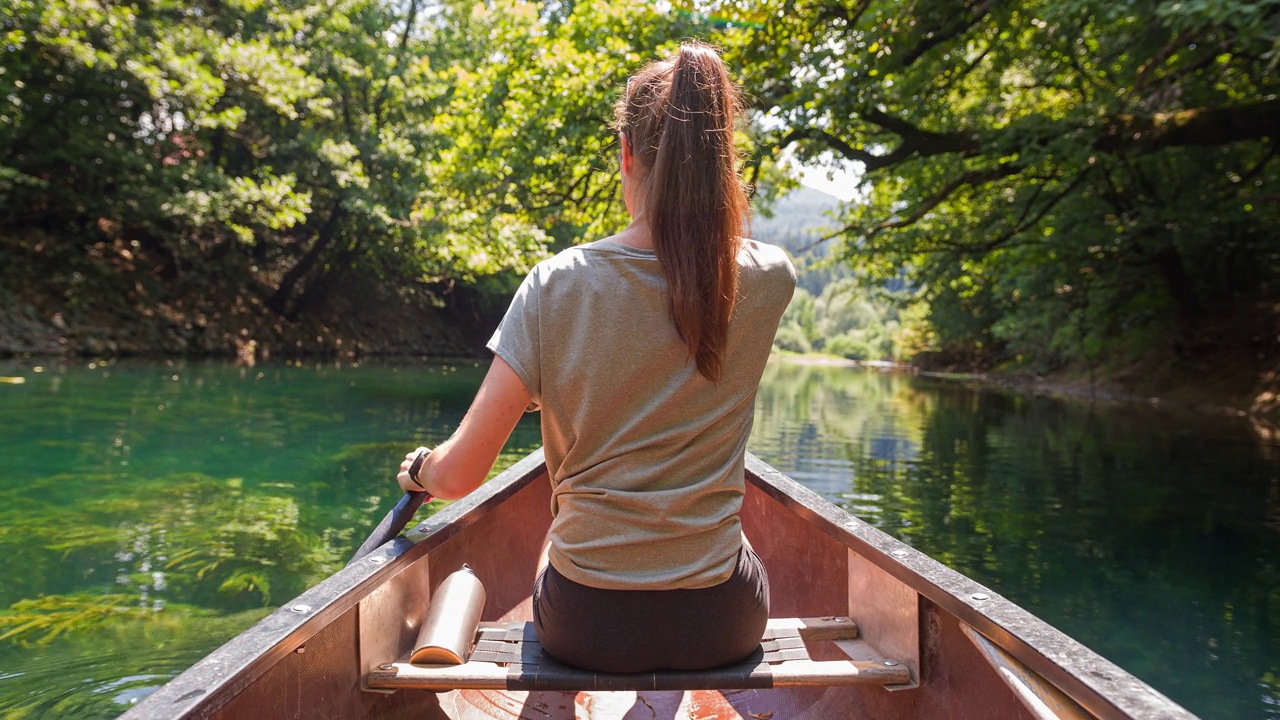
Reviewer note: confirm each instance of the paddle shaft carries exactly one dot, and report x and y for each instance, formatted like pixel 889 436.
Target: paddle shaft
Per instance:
pixel 399 516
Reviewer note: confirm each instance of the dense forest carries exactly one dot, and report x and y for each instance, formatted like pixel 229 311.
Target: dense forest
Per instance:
pixel 1072 184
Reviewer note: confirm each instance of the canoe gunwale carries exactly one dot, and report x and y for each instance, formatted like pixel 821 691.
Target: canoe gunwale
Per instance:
pixel 205 687
pixel 1097 684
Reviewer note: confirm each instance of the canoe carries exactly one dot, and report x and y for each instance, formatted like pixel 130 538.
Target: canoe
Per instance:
pixel 867 626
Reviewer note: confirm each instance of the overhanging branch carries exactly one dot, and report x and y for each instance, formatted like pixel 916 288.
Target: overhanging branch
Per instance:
pixel 971 178
pixel 915 141
pixel 1025 224
pixel 1193 127
pixel 1123 134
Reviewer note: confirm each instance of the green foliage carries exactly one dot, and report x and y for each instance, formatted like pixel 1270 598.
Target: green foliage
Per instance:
pixel 529 111
pixel 1056 177
pixel 854 322
pixel 799 325
pixel 295 143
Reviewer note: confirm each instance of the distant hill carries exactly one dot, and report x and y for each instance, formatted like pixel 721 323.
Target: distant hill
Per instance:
pixel 798 220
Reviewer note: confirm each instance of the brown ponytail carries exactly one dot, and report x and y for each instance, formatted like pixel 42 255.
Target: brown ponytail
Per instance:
pixel 678 115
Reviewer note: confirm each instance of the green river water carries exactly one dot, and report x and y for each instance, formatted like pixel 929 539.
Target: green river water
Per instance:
pixel 151 511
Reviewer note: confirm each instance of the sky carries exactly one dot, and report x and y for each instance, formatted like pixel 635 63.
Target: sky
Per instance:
pixel 843 182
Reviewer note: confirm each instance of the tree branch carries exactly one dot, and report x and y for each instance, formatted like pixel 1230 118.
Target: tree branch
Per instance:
pixel 831 141
pixel 956 28
pixel 924 142
pixel 915 141
pixel 1123 134
pixel 971 178
pixel 1024 225
pixel 1193 127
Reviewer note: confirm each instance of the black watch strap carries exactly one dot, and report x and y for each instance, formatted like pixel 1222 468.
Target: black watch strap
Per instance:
pixel 416 466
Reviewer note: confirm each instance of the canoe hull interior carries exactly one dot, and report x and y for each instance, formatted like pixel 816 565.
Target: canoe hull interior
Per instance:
pixel 820 563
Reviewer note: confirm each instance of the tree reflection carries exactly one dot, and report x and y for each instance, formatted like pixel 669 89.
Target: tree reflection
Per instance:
pixel 1147 535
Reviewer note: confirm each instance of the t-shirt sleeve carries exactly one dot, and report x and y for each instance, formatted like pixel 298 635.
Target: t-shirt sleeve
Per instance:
pixel 780 280
pixel 516 340
pixel 786 280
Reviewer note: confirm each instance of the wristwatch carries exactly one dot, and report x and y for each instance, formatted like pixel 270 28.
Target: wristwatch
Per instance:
pixel 416 466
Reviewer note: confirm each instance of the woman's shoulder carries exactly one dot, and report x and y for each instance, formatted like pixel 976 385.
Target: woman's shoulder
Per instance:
pixel 562 261
pixel 590 263
pixel 757 258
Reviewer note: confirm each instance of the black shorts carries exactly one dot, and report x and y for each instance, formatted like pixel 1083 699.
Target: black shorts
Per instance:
pixel 625 631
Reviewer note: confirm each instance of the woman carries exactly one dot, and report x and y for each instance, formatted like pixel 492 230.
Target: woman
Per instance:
pixel 644 351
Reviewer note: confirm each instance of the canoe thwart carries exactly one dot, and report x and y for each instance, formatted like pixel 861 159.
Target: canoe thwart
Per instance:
pixel 812 629
pixel 507 656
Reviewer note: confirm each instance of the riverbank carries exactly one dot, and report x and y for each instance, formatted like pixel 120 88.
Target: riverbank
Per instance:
pixel 114 309
pixel 1227 363
pixel 1123 390
pixel 243 330
pixel 1230 383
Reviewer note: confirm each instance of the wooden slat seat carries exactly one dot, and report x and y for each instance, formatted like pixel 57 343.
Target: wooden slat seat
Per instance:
pixel 508 657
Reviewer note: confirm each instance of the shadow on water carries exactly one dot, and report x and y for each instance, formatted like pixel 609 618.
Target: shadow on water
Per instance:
pixel 1148 535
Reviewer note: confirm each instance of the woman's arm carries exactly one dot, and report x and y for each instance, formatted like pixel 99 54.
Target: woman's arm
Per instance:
pixel 459 465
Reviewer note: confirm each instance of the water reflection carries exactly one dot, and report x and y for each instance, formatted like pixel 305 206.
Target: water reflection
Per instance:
pixel 1148 535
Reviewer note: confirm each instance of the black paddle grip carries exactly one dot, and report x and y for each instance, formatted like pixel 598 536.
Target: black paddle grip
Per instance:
pixel 400 515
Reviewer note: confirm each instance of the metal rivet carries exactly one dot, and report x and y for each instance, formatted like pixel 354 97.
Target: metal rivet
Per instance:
pixel 385 666
pixel 300 609
pixel 980 596
pixel 891 663
pixel 377 559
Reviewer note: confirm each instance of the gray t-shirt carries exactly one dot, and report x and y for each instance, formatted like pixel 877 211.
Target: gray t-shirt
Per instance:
pixel 645 454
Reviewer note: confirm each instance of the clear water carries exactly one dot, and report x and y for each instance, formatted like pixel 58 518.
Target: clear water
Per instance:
pixel 149 512
pixel 1152 537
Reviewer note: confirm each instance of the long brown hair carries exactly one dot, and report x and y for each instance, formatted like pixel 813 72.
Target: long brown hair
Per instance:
pixel 678 114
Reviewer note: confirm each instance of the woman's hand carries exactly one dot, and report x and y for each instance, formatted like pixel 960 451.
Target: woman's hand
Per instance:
pixel 408 482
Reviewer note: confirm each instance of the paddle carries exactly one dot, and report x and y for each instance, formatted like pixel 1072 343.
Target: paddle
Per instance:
pixel 399 516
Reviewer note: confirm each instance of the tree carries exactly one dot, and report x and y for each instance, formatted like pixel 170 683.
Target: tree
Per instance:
pixel 1020 152
pixel 283 147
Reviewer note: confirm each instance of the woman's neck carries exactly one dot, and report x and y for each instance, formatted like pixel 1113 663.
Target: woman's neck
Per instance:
pixel 635 235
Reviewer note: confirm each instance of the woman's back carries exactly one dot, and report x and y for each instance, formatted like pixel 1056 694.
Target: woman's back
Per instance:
pixel 645 451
